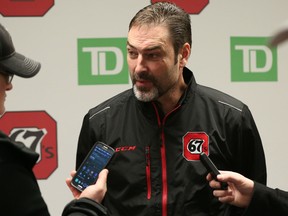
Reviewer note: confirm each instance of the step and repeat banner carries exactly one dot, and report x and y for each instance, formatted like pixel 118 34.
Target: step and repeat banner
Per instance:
pixel 82 48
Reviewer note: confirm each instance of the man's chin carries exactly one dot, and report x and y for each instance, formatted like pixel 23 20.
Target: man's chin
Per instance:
pixel 144 96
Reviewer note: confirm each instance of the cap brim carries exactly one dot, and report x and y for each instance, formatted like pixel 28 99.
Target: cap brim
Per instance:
pixel 20 65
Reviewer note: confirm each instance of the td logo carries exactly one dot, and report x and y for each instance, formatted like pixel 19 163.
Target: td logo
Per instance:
pixel 252 59
pixel 102 61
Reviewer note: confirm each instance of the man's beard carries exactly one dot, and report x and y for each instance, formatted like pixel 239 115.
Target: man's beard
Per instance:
pixel 146 96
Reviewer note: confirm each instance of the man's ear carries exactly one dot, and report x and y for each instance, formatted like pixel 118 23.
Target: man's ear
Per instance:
pixel 184 54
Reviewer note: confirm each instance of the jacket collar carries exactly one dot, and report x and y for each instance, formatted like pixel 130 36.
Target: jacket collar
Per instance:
pixel 191 85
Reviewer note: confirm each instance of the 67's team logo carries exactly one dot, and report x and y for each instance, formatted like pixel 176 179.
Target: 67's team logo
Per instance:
pixel 37 131
pixel 193 144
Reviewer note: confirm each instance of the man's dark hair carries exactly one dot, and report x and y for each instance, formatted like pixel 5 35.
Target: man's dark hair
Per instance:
pixel 176 19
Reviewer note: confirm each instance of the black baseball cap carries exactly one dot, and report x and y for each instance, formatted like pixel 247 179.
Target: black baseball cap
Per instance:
pixel 12 62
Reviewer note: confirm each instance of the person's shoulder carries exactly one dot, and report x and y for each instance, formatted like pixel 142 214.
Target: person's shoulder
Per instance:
pixel 213 96
pixel 219 97
pixel 3 135
pixel 4 144
pixel 16 151
pixel 115 102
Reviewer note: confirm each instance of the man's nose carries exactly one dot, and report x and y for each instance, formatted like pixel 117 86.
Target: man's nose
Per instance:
pixel 140 64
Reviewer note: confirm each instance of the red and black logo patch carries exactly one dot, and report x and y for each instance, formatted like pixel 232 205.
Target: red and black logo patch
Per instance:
pixel 193 144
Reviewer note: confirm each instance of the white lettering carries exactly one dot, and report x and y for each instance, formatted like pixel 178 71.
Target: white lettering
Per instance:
pixel 99 61
pixel 250 58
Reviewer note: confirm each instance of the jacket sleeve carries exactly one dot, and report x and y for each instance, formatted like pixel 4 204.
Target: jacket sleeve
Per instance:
pixel 84 207
pixel 268 201
pixel 84 142
pixel 248 153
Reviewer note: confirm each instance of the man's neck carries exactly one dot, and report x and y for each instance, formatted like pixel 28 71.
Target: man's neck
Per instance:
pixel 170 100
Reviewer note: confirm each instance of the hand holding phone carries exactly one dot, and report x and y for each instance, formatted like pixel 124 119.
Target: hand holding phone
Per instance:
pixel 210 166
pixel 95 161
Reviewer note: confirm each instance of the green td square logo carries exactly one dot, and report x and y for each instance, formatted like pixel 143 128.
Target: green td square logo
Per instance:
pixel 252 59
pixel 102 61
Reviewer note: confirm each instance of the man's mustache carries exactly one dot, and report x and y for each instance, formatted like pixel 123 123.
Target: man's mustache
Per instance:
pixel 143 76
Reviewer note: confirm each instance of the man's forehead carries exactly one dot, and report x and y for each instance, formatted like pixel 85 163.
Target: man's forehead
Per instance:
pixel 146 47
pixel 148 38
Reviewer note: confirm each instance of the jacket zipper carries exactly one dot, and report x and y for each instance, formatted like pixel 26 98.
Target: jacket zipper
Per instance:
pixel 148 172
pixel 163 159
pixel 164 175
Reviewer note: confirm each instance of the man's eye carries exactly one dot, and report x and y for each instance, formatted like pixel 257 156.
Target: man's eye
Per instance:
pixel 154 56
pixel 132 54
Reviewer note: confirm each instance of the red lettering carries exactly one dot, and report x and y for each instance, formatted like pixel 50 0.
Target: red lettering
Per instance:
pixel 125 148
pixel 131 148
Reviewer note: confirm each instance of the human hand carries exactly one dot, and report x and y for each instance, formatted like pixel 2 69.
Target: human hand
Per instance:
pixel 239 192
pixel 95 192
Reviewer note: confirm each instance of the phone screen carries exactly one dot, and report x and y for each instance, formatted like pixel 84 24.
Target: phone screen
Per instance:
pixel 95 161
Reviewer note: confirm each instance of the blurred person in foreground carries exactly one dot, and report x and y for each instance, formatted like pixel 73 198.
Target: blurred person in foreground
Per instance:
pixel 20 193
pixel 257 198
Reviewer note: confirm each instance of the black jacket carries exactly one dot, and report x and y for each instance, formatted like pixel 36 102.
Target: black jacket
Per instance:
pixel 156 168
pixel 84 207
pixel 268 202
pixel 20 193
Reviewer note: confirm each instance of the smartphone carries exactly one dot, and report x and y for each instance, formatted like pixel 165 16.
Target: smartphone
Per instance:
pixel 210 166
pixel 96 160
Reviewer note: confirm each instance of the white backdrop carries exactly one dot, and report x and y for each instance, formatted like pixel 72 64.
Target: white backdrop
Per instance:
pixel 52 39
